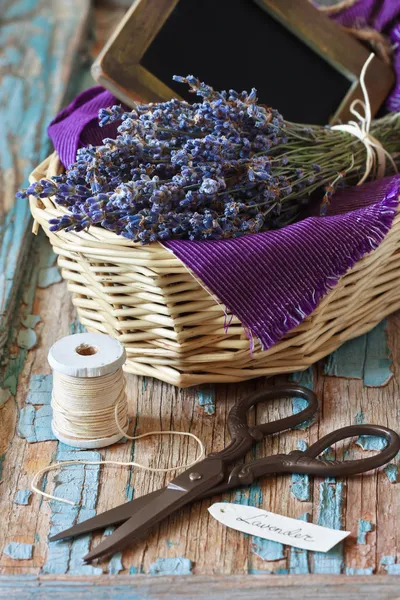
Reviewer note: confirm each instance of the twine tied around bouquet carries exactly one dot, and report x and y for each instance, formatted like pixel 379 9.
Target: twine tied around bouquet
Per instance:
pixel 376 153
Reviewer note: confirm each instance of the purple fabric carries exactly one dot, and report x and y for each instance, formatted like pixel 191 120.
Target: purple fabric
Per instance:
pixel 76 125
pixel 384 16
pixel 272 281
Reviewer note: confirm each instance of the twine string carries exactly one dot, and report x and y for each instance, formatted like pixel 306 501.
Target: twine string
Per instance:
pixel 83 407
pixel 97 408
pixel 376 154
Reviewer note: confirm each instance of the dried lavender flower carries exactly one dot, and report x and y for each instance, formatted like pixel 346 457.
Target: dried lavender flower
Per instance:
pixel 223 167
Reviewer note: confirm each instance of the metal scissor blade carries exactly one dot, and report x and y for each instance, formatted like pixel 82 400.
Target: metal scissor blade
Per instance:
pixel 182 490
pixel 109 518
pixel 139 523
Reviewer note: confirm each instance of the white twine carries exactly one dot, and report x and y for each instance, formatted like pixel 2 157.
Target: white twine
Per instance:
pixel 83 407
pixel 376 154
pixel 97 408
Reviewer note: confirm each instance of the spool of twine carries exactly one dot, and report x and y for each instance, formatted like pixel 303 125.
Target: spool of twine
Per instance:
pixel 89 403
pixel 88 390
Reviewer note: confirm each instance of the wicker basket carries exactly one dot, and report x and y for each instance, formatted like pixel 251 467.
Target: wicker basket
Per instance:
pixel 173 329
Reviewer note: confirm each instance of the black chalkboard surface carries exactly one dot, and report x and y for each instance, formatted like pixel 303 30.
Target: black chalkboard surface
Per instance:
pixel 300 61
pixel 237 44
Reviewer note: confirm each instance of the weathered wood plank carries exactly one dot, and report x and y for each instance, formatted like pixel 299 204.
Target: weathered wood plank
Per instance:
pixel 192 542
pixel 235 587
pixel 39 44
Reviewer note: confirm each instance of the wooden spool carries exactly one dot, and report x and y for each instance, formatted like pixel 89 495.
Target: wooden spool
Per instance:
pixel 86 355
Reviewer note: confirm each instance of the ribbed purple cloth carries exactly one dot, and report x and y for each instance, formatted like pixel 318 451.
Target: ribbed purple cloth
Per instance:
pixel 271 281
pixel 77 125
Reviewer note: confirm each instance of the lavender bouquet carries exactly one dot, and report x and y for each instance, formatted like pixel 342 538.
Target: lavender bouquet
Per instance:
pixel 220 168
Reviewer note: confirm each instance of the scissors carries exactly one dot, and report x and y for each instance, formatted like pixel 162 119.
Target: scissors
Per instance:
pixel 214 474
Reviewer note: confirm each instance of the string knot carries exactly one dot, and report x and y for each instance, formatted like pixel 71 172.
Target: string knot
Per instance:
pixel 376 153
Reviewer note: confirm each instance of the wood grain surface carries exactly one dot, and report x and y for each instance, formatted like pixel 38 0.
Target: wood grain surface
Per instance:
pixel 359 383
pixel 256 587
pixel 40 42
pixel 190 555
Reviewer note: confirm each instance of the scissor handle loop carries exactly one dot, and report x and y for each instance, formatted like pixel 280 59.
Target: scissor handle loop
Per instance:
pixel 352 467
pixel 237 418
pixel 307 461
pixel 243 435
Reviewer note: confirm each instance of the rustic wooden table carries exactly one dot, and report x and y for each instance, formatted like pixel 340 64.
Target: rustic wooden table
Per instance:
pixel 41 42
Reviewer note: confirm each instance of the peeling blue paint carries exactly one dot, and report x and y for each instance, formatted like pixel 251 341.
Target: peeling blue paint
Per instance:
pixel 10 380
pixel 251 496
pixel 170 543
pixel 390 565
pixel 252 571
pixel 45 40
pixel 330 515
pixel 80 484
pixel 27 339
pixel 366 357
pixel 393 569
pixel 171 566
pixel 300 487
pixel 392 472
pixel 363 528
pixel 35 424
pixel 133 570
pixel 302 445
pixel 144 385
pixel 115 564
pixel 206 399
pixel 22 497
pixel 298 558
pixel 19 551
pixel 305 378
pixel 48 276
pixel 354 571
pixel 348 360
pixel 255 494
pixel 2 459
pixel 280 572
pixel 388 560
pixel 267 549
pixel 40 388
pixel 359 418
pixel 129 491
pixel 377 367
pixel 76 327
pixel 30 321
pixel 329 454
pixel 371 442
pixel 47 258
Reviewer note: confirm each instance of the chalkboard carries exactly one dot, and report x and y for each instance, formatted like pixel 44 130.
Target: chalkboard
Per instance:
pixel 300 61
pixel 237 44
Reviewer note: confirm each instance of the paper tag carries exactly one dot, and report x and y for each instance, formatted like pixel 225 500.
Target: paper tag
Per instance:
pixel 270 526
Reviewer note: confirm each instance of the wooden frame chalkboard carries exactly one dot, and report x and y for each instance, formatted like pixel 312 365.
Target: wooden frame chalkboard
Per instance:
pixel 120 67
